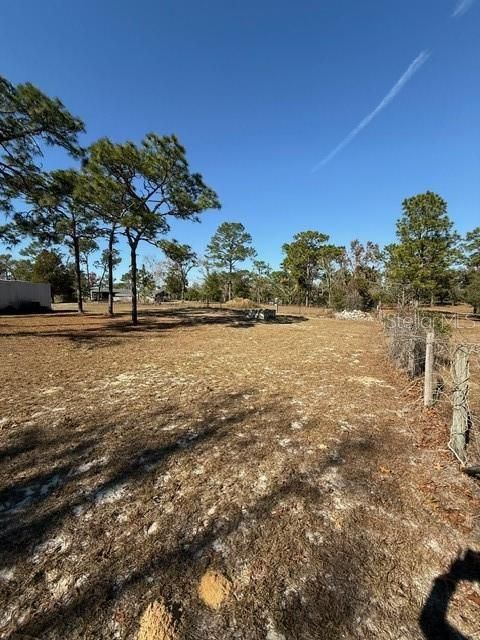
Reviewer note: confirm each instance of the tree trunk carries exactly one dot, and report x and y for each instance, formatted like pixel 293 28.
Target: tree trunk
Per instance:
pixel 78 273
pixel 111 239
pixel 87 273
pixel 229 284
pixel 308 282
pixel 133 268
pixel 99 289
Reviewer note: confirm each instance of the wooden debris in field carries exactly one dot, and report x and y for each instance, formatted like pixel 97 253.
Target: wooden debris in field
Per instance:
pixel 157 623
pixel 214 588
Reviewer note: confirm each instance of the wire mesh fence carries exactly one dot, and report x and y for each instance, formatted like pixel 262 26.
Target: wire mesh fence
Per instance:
pixel 424 345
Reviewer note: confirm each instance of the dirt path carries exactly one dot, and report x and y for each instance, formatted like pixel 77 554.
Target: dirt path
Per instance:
pixel 289 459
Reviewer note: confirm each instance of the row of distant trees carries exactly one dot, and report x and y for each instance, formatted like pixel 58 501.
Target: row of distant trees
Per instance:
pixel 133 191
pixel 430 262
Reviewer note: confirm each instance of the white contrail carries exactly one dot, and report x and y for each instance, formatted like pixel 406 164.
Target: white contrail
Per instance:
pixel 394 91
pixel 462 7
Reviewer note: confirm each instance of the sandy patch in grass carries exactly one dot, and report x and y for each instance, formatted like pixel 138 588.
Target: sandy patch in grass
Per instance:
pixel 369 381
pixel 157 623
pixel 214 588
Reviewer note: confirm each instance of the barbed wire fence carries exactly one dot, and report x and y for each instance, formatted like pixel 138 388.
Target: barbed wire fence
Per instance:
pixel 422 345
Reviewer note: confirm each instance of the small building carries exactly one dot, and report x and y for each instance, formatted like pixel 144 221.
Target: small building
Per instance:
pixel 17 296
pixel 101 295
pixel 125 295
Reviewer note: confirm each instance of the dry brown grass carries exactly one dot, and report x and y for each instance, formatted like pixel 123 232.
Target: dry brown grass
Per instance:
pixel 290 455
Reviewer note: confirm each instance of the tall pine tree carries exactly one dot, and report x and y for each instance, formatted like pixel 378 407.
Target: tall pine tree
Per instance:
pixel 422 260
pixel 147 185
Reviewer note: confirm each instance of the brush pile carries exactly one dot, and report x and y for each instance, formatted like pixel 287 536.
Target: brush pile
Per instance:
pixel 353 315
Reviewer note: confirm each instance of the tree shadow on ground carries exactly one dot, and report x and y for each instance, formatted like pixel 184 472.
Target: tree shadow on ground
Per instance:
pixel 433 618
pixel 331 603
pixel 169 571
pixel 189 557
pixel 150 322
pixel 37 503
pixel 26 441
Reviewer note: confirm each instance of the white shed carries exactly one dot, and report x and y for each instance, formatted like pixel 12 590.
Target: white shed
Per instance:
pixel 24 297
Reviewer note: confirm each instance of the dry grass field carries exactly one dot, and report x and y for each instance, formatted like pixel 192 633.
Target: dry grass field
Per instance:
pixel 205 477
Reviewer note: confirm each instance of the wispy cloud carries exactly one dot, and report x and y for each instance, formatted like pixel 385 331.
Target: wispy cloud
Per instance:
pixel 462 7
pixel 394 91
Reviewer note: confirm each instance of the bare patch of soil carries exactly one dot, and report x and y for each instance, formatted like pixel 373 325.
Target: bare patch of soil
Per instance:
pixel 214 588
pixel 156 623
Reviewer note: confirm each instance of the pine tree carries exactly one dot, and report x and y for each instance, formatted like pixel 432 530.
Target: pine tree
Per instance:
pixel 29 120
pixel 422 259
pixel 57 215
pixel 471 246
pixel 308 258
pixel 229 246
pixel 143 187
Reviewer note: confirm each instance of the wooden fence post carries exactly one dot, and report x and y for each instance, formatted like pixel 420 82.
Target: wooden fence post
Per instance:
pixel 428 385
pixel 411 362
pixel 379 311
pixel 460 419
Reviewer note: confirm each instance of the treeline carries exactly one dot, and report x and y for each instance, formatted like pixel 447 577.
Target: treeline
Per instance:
pixel 429 263
pixel 76 216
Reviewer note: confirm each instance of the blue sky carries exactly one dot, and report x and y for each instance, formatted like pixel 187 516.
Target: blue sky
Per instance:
pixel 261 93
